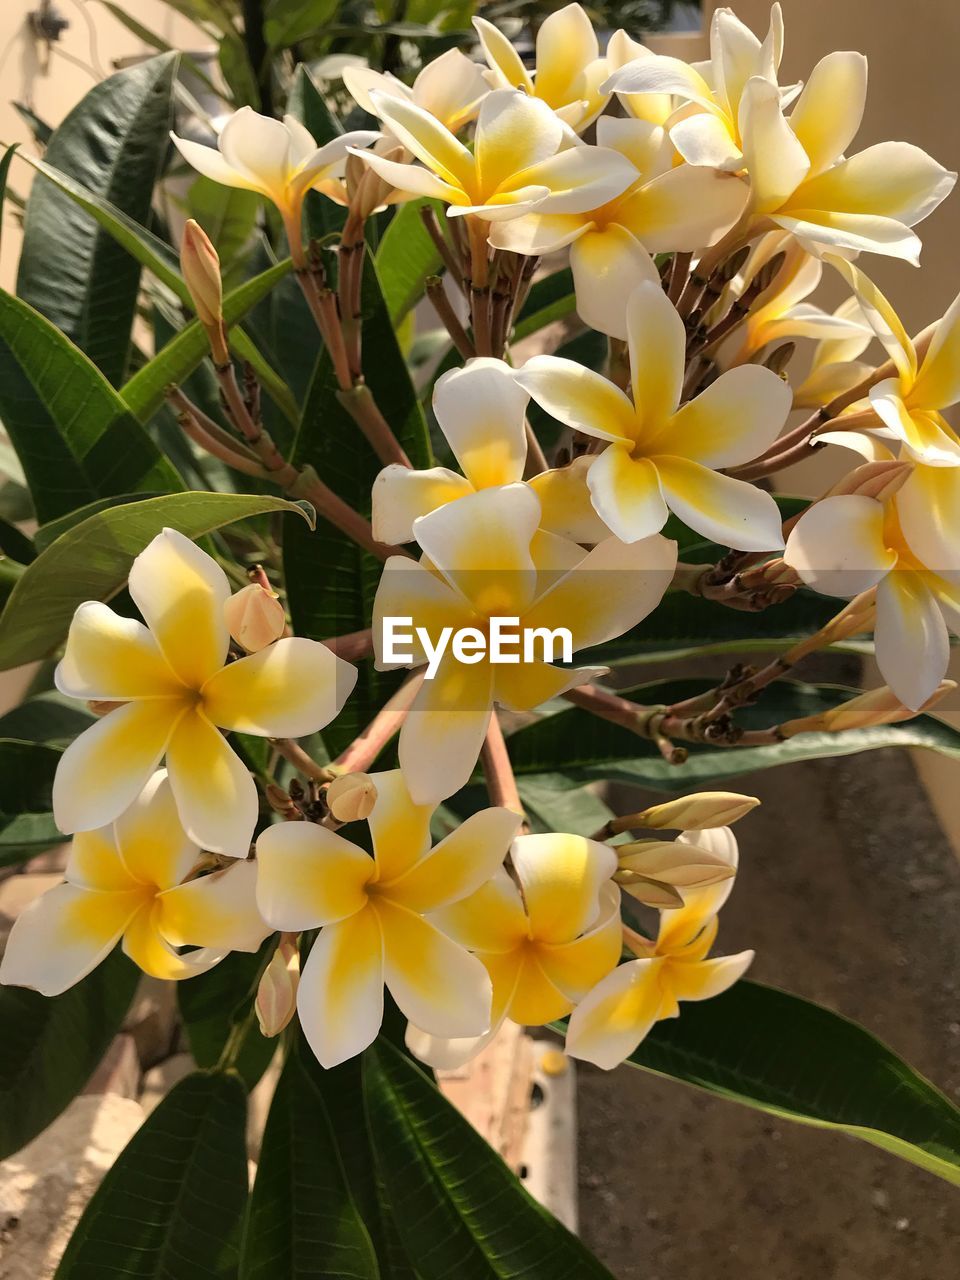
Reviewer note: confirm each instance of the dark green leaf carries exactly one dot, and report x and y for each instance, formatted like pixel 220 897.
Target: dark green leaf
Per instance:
pixel 172 1205
pixel 330 581
pixel 228 215
pixel 42 132
pixel 112 142
pixel 549 299
pixel 582 748
pixel 4 174
pixel 26 808
pixel 288 21
pixel 92 560
pixel 459 1210
pixel 792 1058
pixel 213 1004
pixel 47 718
pixel 304 1223
pixel 74 436
pixel 405 258
pixel 51 1046
pixel 15 544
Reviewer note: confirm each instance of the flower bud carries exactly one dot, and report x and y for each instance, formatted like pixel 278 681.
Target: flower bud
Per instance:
pixel 675 862
pixel 853 619
pixel 201 273
pixel 351 797
pixel 878 480
pixel 876 707
pixel 277 993
pixel 652 893
pixel 366 190
pixel 690 813
pixel 254 617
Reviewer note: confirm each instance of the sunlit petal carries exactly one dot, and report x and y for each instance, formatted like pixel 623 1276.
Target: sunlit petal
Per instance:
pixel 408 589
pixel 578 397
pixel 709 978
pixel 561 877
pixel 401 496
pixel 152 843
pixel 149 950
pixel 736 419
pixel 309 876
pixel 574 967
pixel 626 494
pixel 491 919
pixel 685 209
pixel 340 996
pixel 458 865
pixel 444 731
pixel 565 506
pixel 94 862
pixel 911 638
pixel 828 112
pixel 217 911
pixel 111 658
pixel 427 139
pixel 890 180
pixel 838 546
pixel 938 381
pixel 514 132
pixel 657 343
pixel 775 158
pixel 617 1014
pixel 215 794
pixel 480 409
pixel 608 264
pixel 400 828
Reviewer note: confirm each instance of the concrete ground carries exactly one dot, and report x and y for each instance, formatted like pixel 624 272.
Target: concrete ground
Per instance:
pixel 850 893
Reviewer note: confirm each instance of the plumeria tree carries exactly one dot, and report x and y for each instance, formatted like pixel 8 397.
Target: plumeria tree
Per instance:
pixel 335 552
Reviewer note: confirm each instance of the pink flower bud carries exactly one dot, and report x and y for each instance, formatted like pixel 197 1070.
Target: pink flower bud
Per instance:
pixel 277 994
pixel 351 797
pixel 201 273
pixel 254 617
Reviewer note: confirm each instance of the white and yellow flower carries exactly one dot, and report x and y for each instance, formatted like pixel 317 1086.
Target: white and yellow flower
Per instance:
pixel 280 160
pixel 372 914
pixel 131 880
pixel 481 409
pixel 708 130
pixel 664 209
pixel 655 108
pixel 662 457
pixel 522 158
pixel 545 938
pixel 485 557
pixel 834 367
pixel 569 69
pixel 450 88
pixel 179 692
pixel 612 1020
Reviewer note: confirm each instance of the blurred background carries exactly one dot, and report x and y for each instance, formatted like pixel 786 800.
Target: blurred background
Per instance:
pixel 850 889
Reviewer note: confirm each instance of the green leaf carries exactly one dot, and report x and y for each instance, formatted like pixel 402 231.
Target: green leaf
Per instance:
pixel 51 1046
pixel 157 256
pixel 143 34
pixel 303 1223
pixel 581 748
pixel 794 1059
pixel 228 215
pixel 213 1004
pixel 172 1204
pixel 4 174
pixel 288 21
pixel 174 362
pixel 330 581
pixel 48 718
pixel 308 105
pixel 92 560
pixel 549 299
pixel 15 544
pixel 41 131
pixel 26 808
pixel 113 142
pixel 458 1208
pixel 405 258
pixel 73 434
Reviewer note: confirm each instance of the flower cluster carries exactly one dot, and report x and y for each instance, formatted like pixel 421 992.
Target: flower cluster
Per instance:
pixel 696 226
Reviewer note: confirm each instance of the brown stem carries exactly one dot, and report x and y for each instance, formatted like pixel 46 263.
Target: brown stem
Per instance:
pixel 363 409
pixel 351 645
pixel 679 273
pixel 352 246
pixel 385 725
pixel 333 508
pixel 323 308
pixel 294 754
pixel 536 458
pixel 447 256
pixel 497 769
pixel 444 309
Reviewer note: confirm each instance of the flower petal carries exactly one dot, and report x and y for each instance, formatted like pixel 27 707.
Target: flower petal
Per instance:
pixel 340 997
pixel 109 658
pixel 400 829
pixel 181 591
pixel 149 950
pixel 709 978
pixel 882 318
pixel 534 999
pixel 775 158
pixel 578 397
pixel 442 735
pixel 728 511
pixel 458 865
pixel 408 589
pixel 502 57
pixel 705 141
pixel 95 863
pixel 565 506
pixel 679 926
pixel 574 967
pixel 926 508
pixel 911 638
pixel 258 146
pixel 561 877
pixel 838 546
pixel 401 496
pixel 566 43
pixel 63 935
pixel 615 586
pixel 529 685
pixel 828 113
pixel 734 420
pixel 817 230
pixel 514 132
pixel 610 1022
pixel 427 139
pixel 209 162
pixel 662 75
pixel 217 911
pixel 480 409
pixel 451 88
pixel 360 82
pixel 103 771
pixel 538 233
pixel 411 178
pixel 938 381
pixel 437 984
pixel 626 494
pixel 578 179
pixel 293 687
pixel 685 209
pixel 889 180
pixel 491 919
pixel 152 843
pixel 926 435
pixel 309 876
pixel 607 267
pixel 215 794
pixel 658 343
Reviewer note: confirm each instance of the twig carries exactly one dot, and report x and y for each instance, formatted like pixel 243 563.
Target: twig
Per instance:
pixel 351 645
pixel 385 725
pixel 447 255
pixel 444 309
pixel 497 769
pixel 294 754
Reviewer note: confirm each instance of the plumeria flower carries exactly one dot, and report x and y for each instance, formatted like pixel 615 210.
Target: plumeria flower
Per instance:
pixel 569 68
pixel 545 938
pixel 834 367
pixel 522 159
pixel 609 1024
pixel 450 88
pixel 910 405
pixel 709 130
pixel 481 411
pixel 801 181
pixel 371 911
pixel 664 209
pixel 279 160
pixel 662 457
pixel 131 880
pixel 178 692
pixel 483 559
pixel 781 312
pixel 906 548
pixel 655 108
